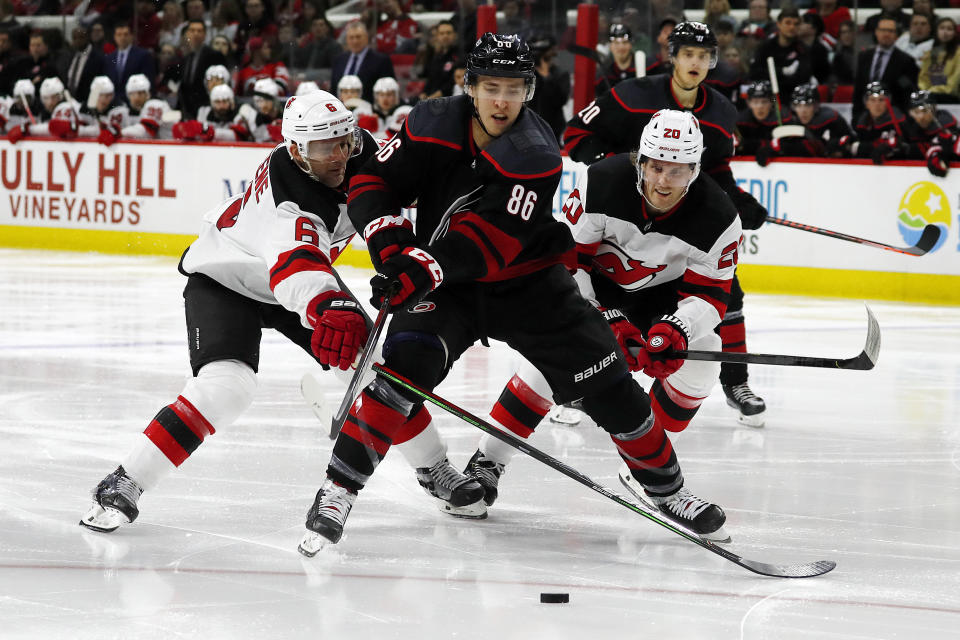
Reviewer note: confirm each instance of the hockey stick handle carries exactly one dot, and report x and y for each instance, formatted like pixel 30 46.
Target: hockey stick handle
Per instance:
pixel 26 106
pixel 772 71
pixel 911 251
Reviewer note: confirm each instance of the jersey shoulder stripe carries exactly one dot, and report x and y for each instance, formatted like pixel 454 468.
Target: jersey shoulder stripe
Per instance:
pixel 527 151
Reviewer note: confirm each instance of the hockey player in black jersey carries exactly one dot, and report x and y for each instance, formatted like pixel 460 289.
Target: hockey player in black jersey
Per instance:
pixel 486 260
pixel 264 259
pixel 656 248
pixel 614 122
pixel 930 134
pixel 880 127
pixel 755 123
pixel 827 133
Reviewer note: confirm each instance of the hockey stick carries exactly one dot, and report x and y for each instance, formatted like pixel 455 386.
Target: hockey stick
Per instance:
pixel 928 238
pixel 862 362
pixel 771 70
pixel 805 570
pixel 26 106
pixel 365 359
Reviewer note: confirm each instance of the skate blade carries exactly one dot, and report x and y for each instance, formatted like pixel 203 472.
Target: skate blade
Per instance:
pixel 102 520
pixel 311 544
pixel 720 536
pixel 565 416
pixel 474 511
pixel 756 421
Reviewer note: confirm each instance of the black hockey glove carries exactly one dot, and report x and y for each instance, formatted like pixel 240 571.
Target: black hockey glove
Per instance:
pixel 765 152
pixel 752 213
pixel 936 165
pixel 388 236
pixel 883 148
pixel 406 278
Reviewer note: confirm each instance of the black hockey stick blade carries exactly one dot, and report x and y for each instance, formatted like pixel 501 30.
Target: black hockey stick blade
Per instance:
pixel 364 365
pixel 804 570
pixel 928 237
pixel 866 360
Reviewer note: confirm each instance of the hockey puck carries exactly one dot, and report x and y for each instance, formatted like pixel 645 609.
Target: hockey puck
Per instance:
pixel 554 597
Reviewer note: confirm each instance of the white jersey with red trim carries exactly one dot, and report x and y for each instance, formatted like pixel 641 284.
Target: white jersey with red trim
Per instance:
pixel 148 122
pixel 693 247
pixel 244 120
pixel 277 241
pixel 67 111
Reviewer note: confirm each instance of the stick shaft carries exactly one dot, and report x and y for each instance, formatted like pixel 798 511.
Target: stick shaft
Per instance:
pixel 917 250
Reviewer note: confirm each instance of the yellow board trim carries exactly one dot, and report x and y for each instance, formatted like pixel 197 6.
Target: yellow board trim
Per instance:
pixel 849 283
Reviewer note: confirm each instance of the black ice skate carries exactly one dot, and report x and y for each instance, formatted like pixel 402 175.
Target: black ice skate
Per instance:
pixel 487 473
pixel 114 502
pixel 456 494
pixel 751 407
pixel 326 517
pixel 702 517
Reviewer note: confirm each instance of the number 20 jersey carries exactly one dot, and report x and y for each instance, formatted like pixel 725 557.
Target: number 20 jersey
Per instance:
pixel 690 250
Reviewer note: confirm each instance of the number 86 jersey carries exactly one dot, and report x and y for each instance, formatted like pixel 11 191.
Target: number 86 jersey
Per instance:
pixel 625 249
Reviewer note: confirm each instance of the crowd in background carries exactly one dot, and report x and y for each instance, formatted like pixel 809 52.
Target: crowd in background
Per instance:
pixel 221 69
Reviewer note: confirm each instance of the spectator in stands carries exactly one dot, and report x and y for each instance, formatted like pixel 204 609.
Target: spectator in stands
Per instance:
pixel 621 65
pixel 810 34
pixel 224 46
pixel 844 64
pixel 98 38
pixel 791 59
pixel 266 100
pixel 397 32
pixel 9 24
pixel 148 25
pixel 919 40
pixel 196 10
pixel 887 64
pixel 224 21
pixel 318 48
pixel 724 78
pixel 940 68
pixel 261 64
pixel 361 60
pixel 757 27
pixel 310 10
pixel 513 22
pixel 287 44
pixel 552 85
pixel 9 67
pixel 925 7
pixel 879 126
pixel 257 22
pixel 659 63
pixel 717 11
pixel 442 60
pixel 37 65
pixel 888 9
pixel 833 16
pixel 128 60
pixel 171 24
pixel 192 93
pixel 85 64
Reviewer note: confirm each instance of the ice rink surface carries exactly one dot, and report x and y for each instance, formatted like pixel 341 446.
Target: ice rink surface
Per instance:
pixel 859 467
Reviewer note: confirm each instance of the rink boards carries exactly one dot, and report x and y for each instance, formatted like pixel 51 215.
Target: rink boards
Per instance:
pixel 148 198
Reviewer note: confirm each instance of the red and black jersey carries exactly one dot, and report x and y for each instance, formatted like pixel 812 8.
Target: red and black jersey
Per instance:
pixel 754 133
pixel 942 131
pixel 827 135
pixel 890 125
pixel 485 214
pixel 613 124
pixel 611 75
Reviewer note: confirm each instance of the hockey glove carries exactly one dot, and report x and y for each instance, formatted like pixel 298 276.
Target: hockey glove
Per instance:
pixel 15 134
pixel 107 136
pixel 406 278
pixel 666 336
pixel 765 152
pixel 339 329
pixel 273 130
pixel 63 128
pixel 752 213
pixel 387 236
pixel 883 148
pixel 193 130
pixel 626 333
pixel 936 165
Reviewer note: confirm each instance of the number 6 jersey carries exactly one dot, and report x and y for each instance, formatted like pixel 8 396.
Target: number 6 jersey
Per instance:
pixel 691 249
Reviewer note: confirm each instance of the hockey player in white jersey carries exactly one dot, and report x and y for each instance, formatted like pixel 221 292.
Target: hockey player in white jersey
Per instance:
pixel 264 258
pixel 222 120
pixel 60 119
pixel 143 119
pixel 102 110
pixel 216 75
pixel 390 110
pixel 350 90
pixel 267 123
pixel 20 107
pixel 656 246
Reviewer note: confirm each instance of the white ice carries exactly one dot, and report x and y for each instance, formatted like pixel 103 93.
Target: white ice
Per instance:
pixel 859 467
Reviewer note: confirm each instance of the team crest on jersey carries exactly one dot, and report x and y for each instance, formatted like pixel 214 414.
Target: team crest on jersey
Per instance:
pixel 423 307
pixel 625 271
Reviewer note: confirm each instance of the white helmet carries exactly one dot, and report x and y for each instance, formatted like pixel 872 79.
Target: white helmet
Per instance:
pixel 51 87
pixel 672 136
pixel 216 71
pixel 317 116
pixel 221 92
pixel 386 84
pixel 99 86
pixel 24 88
pixel 350 82
pixel 137 82
pixel 266 86
pixel 308 86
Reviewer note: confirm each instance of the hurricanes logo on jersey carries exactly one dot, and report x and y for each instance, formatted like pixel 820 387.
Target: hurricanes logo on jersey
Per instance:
pixel 625 271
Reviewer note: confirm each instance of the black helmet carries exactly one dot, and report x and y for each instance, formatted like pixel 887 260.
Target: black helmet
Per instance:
pixel 804 94
pixel 503 57
pixel 620 31
pixel 875 89
pixel 693 34
pixel 921 100
pixel 760 89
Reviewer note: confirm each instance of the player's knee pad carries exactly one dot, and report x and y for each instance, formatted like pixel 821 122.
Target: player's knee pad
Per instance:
pixel 697 377
pixel 620 407
pixel 221 391
pixel 421 357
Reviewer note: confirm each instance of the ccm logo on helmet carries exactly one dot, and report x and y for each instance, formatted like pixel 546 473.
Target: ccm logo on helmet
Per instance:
pixel 504 61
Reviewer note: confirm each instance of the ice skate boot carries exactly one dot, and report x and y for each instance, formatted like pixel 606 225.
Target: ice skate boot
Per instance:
pixel 326 517
pixel 568 415
pixel 702 517
pixel 114 502
pixel 487 473
pixel 751 407
pixel 456 494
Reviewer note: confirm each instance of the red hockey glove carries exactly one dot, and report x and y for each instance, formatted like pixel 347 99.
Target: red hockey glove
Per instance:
pixel 368 121
pixel 18 132
pixel 883 148
pixel 387 236
pixel 339 329
pixel 276 135
pixel 936 165
pixel 626 333
pixel 63 128
pixel 192 130
pixel 107 136
pixel 667 335
pixel 406 278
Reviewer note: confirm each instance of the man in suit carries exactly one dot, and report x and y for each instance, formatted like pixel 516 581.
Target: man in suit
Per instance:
pixel 85 64
pixel 192 93
pixel 128 60
pixel 360 60
pixel 887 64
